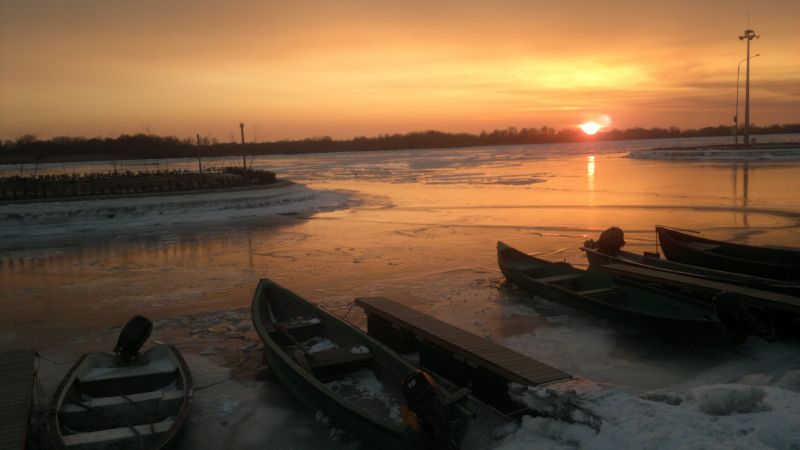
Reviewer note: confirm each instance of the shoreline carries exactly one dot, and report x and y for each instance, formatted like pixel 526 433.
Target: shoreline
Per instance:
pixel 771 151
pixel 276 184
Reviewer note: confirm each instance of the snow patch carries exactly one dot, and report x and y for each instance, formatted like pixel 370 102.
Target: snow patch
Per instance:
pixel 359 350
pixel 319 344
pixel 724 400
pixel 364 385
pixel 31 220
pixel 730 416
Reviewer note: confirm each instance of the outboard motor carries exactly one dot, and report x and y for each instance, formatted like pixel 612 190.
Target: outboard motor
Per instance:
pixel 132 337
pixel 737 318
pixel 425 403
pixel 610 241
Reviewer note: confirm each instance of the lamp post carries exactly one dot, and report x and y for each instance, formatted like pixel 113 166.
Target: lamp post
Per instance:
pixel 244 159
pixel 749 35
pixel 736 116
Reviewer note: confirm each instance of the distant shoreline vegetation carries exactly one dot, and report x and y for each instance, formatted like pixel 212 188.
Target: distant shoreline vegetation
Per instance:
pixel 28 149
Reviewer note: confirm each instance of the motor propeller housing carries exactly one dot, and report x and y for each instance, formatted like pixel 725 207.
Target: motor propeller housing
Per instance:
pixel 132 337
pixel 425 401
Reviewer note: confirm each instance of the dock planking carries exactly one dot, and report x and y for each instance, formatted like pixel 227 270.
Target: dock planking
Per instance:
pixel 17 372
pixel 471 349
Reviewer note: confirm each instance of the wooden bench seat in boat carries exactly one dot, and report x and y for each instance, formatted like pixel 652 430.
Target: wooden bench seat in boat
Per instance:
pixel 597 291
pixel 296 324
pixel 115 373
pixel 97 412
pixel 559 278
pixel 337 357
pixel 119 436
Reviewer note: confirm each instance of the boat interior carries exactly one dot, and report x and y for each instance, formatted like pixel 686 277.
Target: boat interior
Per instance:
pixel 114 405
pixel 335 355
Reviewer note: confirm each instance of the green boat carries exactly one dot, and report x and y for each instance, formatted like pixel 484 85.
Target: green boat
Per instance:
pixel 660 312
pixel 362 386
pixel 598 259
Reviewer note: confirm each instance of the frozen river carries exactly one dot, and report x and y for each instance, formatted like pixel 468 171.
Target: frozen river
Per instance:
pixel 416 226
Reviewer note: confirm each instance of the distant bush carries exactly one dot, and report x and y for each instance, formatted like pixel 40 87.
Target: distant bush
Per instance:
pixel 28 149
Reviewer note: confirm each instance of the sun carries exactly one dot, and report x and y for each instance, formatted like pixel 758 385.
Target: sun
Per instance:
pixel 590 127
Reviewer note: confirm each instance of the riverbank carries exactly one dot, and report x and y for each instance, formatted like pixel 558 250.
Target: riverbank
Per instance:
pixel 774 151
pixel 39 222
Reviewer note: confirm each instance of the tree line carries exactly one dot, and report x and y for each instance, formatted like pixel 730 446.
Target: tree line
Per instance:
pixel 29 149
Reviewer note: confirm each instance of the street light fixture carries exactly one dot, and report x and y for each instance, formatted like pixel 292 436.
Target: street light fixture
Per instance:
pixel 736 116
pixel 749 35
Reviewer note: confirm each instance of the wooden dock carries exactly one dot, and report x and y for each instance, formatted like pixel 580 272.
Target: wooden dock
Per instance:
pixel 751 296
pixel 16 391
pixel 474 352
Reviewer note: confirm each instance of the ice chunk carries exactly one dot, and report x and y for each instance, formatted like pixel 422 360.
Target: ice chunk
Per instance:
pixel 724 400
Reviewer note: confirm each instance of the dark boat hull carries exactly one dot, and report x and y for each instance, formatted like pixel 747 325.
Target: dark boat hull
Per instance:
pixel 310 387
pixel 672 316
pixel 597 260
pixel 781 264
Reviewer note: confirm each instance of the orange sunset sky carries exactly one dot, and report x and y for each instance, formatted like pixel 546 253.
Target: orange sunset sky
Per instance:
pixel 306 68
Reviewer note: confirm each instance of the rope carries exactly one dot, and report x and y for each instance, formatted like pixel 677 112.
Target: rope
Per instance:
pixel 214 383
pixel 111 418
pixel 349 308
pixel 138 406
pixel 53 361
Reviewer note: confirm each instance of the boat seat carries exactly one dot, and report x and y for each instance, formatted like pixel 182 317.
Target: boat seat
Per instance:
pixel 107 412
pixel 111 402
pixel 296 324
pixel 105 438
pixel 340 356
pixel 159 367
pixel 559 278
pixel 602 290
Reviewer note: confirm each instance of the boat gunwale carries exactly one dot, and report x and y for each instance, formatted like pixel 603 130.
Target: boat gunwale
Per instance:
pixel 670 233
pixel 705 273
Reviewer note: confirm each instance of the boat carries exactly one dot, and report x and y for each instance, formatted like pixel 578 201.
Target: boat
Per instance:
pixel 660 312
pixel 598 259
pixel 767 262
pixel 122 400
pixel 362 386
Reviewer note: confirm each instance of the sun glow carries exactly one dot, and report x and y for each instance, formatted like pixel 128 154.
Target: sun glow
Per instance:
pixel 590 127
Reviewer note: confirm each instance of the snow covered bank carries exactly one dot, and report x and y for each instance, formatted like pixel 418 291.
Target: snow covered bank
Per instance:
pixel 754 413
pixel 32 220
pixel 791 152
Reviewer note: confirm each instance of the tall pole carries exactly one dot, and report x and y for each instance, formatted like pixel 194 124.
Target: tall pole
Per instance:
pixel 244 159
pixel 736 116
pixel 749 35
pixel 199 158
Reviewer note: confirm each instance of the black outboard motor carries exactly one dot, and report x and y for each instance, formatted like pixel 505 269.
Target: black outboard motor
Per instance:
pixel 610 241
pixel 132 337
pixel 424 400
pixel 738 319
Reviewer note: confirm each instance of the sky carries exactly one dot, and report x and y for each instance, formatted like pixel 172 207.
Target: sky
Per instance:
pixel 301 69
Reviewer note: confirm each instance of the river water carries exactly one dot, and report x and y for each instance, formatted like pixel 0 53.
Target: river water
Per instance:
pixel 417 226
